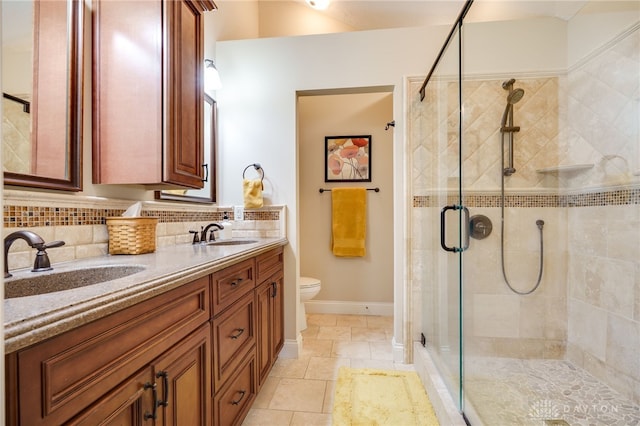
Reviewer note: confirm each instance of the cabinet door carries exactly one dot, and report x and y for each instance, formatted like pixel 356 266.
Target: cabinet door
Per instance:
pixel 277 317
pixel 184 155
pixel 269 300
pixel 183 378
pixel 127 92
pixel 128 404
pixel 263 346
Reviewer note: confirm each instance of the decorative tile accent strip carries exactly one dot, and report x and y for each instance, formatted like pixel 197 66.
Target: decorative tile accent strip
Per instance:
pixel 422 201
pixel 32 217
pixel 261 215
pixel 611 198
pixel 589 199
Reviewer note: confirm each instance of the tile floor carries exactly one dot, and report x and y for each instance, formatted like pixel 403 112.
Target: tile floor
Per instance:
pixel 300 391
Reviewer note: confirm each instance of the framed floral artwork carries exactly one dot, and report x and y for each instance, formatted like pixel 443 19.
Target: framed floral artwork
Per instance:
pixel 347 158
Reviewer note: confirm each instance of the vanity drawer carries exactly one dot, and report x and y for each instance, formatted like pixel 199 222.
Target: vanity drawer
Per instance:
pixel 268 264
pixel 233 402
pixel 230 284
pixel 234 334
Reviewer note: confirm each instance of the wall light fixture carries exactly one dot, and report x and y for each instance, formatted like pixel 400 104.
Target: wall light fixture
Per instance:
pixel 211 77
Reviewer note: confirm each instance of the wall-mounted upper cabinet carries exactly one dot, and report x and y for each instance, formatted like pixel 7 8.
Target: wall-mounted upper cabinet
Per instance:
pixel 148 92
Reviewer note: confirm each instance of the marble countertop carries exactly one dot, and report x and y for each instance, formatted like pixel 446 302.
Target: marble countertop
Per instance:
pixel 31 319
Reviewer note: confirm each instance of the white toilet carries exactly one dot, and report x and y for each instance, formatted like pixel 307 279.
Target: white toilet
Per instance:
pixel 309 288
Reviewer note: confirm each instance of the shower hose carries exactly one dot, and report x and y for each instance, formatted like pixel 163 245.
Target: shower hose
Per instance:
pixel 539 223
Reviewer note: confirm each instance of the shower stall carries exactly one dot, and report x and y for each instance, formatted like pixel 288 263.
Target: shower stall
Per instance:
pixel 524 171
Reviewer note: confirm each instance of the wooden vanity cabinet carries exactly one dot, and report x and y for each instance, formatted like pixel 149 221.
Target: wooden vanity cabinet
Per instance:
pixel 98 372
pixel 148 92
pixel 204 348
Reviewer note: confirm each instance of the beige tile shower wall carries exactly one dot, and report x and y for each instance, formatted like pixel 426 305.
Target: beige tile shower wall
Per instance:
pixel 604 294
pixel 79 222
pixel 604 241
pixel 500 322
pixel 603 115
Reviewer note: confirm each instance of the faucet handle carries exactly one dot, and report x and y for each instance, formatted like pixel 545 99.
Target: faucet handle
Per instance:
pixel 42 262
pixel 196 240
pixel 52 244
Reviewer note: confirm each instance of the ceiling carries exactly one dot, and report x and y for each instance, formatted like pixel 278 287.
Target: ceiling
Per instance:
pixel 381 14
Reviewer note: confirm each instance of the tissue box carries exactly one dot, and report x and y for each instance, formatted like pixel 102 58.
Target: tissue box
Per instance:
pixel 132 235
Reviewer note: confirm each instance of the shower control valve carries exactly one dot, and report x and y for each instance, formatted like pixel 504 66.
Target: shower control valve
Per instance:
pixel 480 227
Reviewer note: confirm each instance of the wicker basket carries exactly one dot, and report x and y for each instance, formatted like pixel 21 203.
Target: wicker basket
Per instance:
pixel 132 235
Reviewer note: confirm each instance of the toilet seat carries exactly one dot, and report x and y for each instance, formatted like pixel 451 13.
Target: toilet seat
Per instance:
pixel 308 282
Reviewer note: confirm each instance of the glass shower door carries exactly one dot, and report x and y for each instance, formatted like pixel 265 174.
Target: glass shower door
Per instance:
pixel 447 218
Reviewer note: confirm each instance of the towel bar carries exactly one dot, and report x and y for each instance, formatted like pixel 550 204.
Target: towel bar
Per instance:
pixel 376 189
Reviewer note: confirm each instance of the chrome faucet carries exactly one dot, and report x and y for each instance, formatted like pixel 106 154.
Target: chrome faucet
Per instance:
pixel 212 237
pixel 34 240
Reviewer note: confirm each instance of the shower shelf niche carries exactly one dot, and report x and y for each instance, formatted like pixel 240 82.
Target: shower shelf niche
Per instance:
pixel 572 168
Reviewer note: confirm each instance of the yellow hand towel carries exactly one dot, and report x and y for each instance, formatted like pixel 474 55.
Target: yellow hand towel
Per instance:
pixel 349 221
pixel 252 193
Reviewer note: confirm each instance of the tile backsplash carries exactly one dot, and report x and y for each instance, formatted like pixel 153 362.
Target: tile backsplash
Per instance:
pixel 81 223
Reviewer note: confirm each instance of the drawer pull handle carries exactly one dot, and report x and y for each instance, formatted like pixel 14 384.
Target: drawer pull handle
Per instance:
pixel 154 414
pixel 242 393
pixel 235 282
pixel 164 402
pixel 240 331
pixel 274 289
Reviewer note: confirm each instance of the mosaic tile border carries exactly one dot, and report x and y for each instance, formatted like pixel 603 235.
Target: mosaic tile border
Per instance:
pixel 36 216
pixel 591 199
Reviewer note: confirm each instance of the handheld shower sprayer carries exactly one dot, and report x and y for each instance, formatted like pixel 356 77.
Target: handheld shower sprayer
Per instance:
pixel 507 127
pixel 506 124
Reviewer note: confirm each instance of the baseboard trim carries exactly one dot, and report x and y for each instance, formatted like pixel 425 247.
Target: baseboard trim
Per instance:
pixel 291 348
pixel 348 308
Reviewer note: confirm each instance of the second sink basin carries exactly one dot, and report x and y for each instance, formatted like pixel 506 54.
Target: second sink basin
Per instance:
pixel 230 242
pixel 41 283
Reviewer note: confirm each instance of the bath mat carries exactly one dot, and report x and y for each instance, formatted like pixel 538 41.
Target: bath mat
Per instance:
pixel 381 397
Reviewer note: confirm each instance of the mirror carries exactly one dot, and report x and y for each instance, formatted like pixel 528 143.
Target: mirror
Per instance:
pixel 42 93
pixel 207 194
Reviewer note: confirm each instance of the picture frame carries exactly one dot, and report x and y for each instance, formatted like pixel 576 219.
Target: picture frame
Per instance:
pixel 347 158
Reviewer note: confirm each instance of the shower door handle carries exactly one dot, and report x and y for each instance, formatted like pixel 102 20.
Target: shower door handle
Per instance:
pixel 443 214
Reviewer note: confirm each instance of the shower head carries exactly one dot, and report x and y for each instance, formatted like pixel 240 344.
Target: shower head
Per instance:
pixel 515 96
